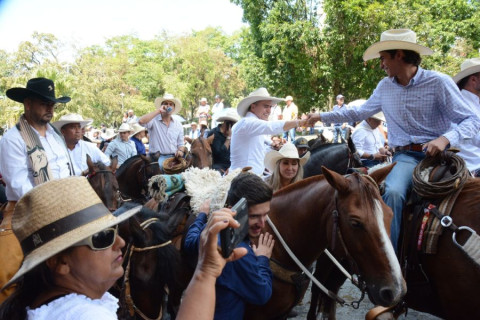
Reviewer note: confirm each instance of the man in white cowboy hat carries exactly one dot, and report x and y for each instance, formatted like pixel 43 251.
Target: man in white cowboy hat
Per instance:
pixel 70 125
pixel 131 117
pixel 165 132
pixel 419 106
pixel 368 141
pixel 31 153
pixel 290 112
pixel 203 111
pixel 194 132
pixel 249 141
pixel 217 108
pixel 222 135
pixel 468 81
pixel 138 133
pixel 122 147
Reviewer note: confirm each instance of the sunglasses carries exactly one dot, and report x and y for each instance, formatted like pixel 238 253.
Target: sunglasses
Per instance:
pixel 101 240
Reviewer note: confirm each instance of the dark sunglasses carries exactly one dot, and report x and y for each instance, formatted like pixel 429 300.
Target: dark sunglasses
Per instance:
pixel 101 240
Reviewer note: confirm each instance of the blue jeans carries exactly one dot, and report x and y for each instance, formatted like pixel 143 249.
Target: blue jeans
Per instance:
pixel 163 158
pixel 290 133
pixel 370 163
pixel 397 188
pixel 338 131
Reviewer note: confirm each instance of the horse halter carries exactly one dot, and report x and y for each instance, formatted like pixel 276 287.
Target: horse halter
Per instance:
pixel 132 308
pixel 90 175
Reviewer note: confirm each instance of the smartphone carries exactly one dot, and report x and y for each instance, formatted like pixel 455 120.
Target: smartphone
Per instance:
pixel 230 237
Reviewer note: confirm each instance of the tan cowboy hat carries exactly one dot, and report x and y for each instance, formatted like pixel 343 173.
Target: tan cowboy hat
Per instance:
pixel 228 114
pixel 257 95
pixel 203 100
pixel 288 151
pixel 468 67
pixel 71 118
pixel 125 127
pixel 51 218
pixel 136 128
pixel 379 116
pixel 174 165
pixel 109 134
pixel 393 39
pixel 169 97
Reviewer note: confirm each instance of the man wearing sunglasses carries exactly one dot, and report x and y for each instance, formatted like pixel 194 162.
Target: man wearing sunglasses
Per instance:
pixel 31 153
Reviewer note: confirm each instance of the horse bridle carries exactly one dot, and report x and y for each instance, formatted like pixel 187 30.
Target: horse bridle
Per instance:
pixel 90 175
pixel 132 308
pixel 145 179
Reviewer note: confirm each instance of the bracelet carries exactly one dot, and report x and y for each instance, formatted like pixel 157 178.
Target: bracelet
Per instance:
pixel 228 138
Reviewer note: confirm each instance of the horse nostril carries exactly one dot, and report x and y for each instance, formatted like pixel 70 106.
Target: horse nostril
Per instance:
pixel 386 294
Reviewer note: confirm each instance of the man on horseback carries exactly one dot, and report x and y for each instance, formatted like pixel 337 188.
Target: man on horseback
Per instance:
pixel 166 133
pixel 249 279
pixel 249 142
pixel 70 125
pixel 419 106
pixel 31 153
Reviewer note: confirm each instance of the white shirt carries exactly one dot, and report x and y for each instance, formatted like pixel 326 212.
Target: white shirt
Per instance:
pixel 290 112
pixel 366 139
pixel 122 149
pixel 79 156
pixel 77 307
pixel 216 112
pixel 247 147
pixel 16 168
pixel 163 138
pixel 275 113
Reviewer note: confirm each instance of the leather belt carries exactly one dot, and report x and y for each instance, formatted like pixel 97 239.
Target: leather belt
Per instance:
pixel 417 147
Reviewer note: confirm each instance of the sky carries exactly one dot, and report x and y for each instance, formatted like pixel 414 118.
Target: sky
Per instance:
pixel 89 22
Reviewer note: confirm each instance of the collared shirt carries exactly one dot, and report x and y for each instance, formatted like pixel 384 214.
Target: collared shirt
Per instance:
pixel 275 113
pixel 194 134
pixel 247 147
pixel 16 168
pixel 418 112
pixel 79 156
pixel 122 149
pixel 163 138
pixel 366 139
pixel 290 112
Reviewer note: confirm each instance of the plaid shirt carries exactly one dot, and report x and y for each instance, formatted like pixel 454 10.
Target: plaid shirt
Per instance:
pixel 419 112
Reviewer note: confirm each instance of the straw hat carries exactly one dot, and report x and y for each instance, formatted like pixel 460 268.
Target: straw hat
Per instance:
pixel 257 95
pixel 125 127
pixel 169 97
pixel 109 134
pixel 288 151
pixel 468 67
pixel 56 215
pixel 228 114
pixel 174 165
pixel 288 98
pixel 42 87
pixel 71 118
pixel 393 39
pixel 136 128
pixel 379 116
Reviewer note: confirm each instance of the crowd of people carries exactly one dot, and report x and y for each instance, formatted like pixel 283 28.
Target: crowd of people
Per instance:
pixel 65 272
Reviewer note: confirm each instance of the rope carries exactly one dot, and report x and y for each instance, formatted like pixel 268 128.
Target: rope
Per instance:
pixel 440 189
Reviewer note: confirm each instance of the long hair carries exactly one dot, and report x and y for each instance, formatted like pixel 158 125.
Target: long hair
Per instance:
pixel 275 179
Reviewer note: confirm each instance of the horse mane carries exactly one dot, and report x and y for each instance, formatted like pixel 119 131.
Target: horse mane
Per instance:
pixel 126 164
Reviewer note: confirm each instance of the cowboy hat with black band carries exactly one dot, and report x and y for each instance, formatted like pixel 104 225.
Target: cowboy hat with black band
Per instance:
pixel 39 87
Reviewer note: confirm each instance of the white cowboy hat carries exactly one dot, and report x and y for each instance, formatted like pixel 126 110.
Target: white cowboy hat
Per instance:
pixel 288 98
pixel 393 39
pixel 203 100
pixel 51 218
pixel 379 116
pixel 125 127
pixel 228 114
pixel 136 128
pixel 257 95
pixel 169 97
pixel 468 67
pixel 71 118
pixel 109 134
pixel 288 151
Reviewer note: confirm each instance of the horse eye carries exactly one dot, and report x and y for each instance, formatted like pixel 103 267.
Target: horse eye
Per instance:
pixel 356 224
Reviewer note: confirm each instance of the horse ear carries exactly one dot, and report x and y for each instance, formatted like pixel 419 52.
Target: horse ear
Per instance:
pixel 380 174
pixel 210 139
pixel 336 180
pixel 113 163
pixel 90 164
pixel 145 158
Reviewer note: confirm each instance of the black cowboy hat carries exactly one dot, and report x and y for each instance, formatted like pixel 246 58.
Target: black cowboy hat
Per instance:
pixel 42 87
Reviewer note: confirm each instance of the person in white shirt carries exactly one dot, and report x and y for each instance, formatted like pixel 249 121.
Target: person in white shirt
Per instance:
pixel 468 81
pixel 216 110
pixel 368 141
pixel 122 147
pixel 276 113
pixel 31 153
pixel 194 132
pixel 70 125
pixel 248 144
pixel 203 112
pixel 290 112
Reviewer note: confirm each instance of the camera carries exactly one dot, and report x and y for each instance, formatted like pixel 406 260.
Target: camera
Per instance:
pixel 230 237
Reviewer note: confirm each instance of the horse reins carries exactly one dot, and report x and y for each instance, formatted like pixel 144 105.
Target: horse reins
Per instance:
pixel 132 308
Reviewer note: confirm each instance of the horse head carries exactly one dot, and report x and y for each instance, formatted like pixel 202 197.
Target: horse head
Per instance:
pixel 362 223
pixel 201 152
pixel 103 181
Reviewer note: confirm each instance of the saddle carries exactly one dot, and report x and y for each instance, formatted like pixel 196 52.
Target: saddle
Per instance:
pixel 178 210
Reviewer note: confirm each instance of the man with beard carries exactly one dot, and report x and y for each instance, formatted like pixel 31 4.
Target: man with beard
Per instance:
pixel 31 153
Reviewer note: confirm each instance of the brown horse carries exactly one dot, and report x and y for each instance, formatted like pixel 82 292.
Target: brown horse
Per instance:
pixel 103 181
pixel 304 214
pixel 201 153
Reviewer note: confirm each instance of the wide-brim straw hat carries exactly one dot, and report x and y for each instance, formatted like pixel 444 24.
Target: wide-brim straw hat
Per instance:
pixel 124 127
pixel 71 118
pixel 468 67
pixel 56 215
pixel 169 97
pixel 379 116
pixel 174 165
pixel 288 151
pixel 136 128
pixel 257 95
pixel 228 114
pixel 42 87
pixel 394 39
